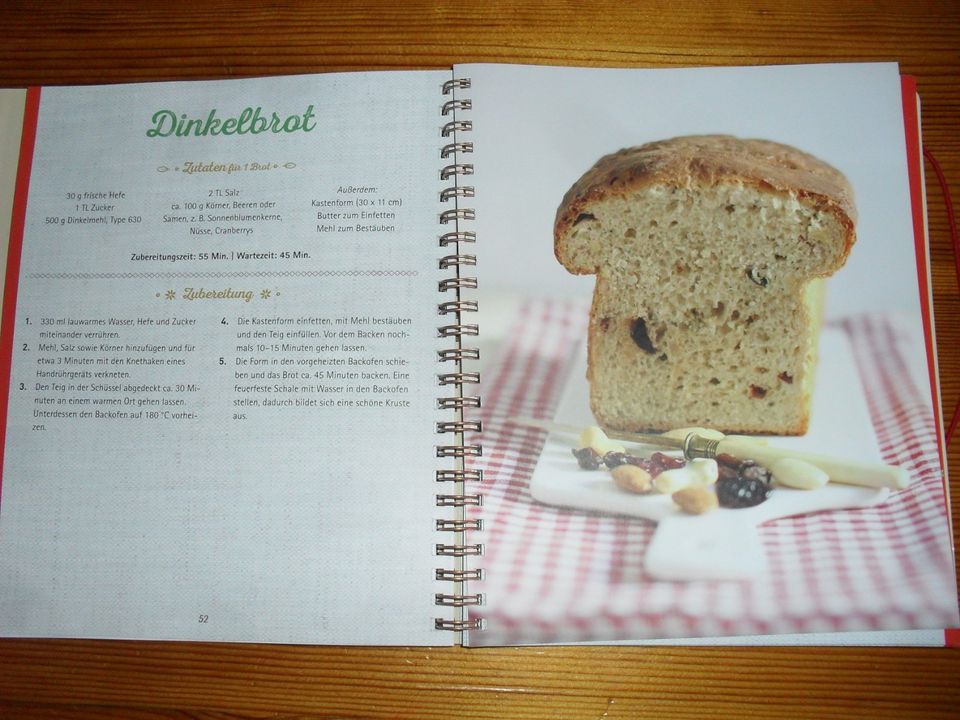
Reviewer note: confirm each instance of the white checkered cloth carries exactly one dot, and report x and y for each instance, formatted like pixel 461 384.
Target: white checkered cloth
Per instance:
pixel 560 575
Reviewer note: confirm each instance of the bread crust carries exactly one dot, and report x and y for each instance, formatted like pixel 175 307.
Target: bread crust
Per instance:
pixel 708 160
pixel 694 164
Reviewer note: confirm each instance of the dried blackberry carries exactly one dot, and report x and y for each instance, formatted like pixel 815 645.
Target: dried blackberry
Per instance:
pixel 587 458
pixel 751 470
pixel 741 492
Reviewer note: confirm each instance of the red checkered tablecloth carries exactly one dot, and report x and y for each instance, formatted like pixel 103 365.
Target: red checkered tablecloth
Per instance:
pixel 558 575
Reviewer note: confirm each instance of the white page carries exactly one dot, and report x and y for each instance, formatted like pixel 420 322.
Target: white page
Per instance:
pixel 222 404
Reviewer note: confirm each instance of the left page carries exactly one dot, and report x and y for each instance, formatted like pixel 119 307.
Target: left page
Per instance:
pixel 220 335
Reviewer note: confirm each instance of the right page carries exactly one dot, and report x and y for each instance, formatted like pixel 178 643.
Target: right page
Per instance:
pixel 719 255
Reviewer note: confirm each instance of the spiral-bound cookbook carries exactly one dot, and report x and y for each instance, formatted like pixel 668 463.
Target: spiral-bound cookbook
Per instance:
pixel 495 355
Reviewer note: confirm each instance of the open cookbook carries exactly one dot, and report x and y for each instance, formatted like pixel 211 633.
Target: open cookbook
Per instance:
pixel 499 355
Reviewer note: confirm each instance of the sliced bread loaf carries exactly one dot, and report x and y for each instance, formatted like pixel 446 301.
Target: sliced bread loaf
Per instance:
pixel 709 253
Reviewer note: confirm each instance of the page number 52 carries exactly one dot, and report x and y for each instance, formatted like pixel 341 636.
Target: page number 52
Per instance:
pixel 203 618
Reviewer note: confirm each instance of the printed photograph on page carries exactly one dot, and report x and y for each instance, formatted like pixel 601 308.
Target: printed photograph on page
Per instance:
pixel 707 408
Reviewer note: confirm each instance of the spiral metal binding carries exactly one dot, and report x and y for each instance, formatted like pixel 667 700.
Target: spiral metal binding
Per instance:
pixel 458 402
pixel 449 216
pixel 457 283
pixel 457 169
pixel 451 106
pixel 459 575
pixel 459 378
pixel 456 148
pixel 458 625
pixel 450 261
pixel 459 550
pixel 457 354
pixel 455 125
pixel 459 500
pixel 460 451
pixel 451 85
pixel 459 525
pixel 459 476
pixel 452 192
pixel 458 600
pixel 457 237
pixel 457 306
pixel 457 331
pixel 459 426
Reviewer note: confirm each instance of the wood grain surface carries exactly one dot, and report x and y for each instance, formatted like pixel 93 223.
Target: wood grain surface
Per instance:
pixel 96 42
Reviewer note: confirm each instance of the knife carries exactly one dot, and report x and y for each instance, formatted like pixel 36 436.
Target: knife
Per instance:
pixel 840 470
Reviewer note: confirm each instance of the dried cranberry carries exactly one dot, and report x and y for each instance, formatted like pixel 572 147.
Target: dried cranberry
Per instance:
pixel 757 392
pixel 667 462
pixel 726 472
pixel 729 460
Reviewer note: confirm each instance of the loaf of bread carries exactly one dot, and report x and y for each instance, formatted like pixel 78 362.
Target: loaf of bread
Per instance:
pixel 709 253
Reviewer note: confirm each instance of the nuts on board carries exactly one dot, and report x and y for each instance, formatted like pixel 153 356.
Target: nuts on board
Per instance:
pixel 700 484
pixel 696 500
pixel 632 479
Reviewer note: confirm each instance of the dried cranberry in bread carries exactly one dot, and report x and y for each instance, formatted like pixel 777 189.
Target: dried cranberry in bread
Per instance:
pixel 709 253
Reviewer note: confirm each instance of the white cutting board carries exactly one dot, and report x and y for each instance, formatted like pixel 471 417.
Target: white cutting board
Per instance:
pixel 725 543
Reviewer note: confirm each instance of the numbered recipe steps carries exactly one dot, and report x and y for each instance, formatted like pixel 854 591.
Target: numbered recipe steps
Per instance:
pixel 351 362
pixel 105 369
pixel 170 369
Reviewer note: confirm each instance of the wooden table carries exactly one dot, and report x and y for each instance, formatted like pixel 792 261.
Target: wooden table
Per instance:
pixel 94 42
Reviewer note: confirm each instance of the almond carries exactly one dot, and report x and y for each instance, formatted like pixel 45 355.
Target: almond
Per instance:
pixel 632 479
pixel 696 499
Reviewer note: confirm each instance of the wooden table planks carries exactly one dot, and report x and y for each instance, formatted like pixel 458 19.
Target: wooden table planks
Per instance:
pixel 95 42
